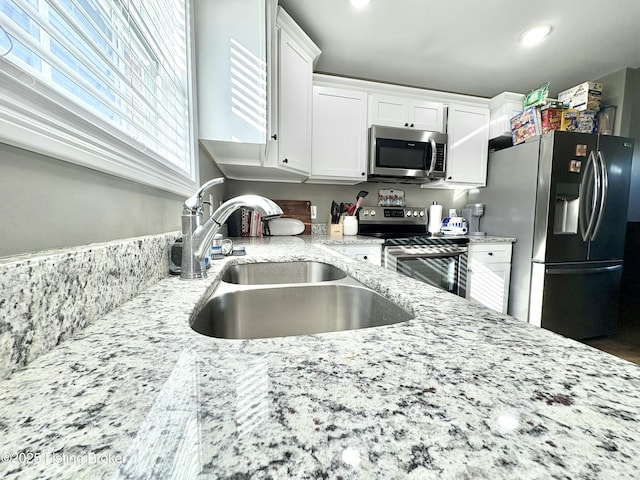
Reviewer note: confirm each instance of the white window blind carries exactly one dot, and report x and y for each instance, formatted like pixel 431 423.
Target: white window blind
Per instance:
pixel 104 78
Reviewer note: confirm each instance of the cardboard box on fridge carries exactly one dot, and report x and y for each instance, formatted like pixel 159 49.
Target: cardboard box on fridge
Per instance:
pixel 585 96
pixel 551 119
pixel 587 122
pixel 569 122
pixel 525 125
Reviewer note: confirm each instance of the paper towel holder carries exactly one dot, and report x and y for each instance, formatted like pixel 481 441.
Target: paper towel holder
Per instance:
pixel 435 218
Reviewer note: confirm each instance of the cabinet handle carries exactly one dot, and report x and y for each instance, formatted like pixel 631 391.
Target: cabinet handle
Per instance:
pixel 363 174
pixel 365 257
pixel 412 125
pixel 490 253
pixel 274 136
pixel 286 160
pixel 406 124
pixel 449 178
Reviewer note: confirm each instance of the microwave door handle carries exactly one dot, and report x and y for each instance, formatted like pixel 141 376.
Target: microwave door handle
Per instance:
pixel 604 188
pixel 434 149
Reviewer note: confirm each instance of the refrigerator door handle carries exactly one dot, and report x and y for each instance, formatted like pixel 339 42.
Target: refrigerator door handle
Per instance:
pixel 604 188
pixel 586 179
pixel 572 271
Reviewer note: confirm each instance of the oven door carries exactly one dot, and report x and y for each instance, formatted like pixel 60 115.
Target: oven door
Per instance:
pixel 441 268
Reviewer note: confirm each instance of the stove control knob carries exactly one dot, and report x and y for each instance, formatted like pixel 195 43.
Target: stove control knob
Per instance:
pixel 421 213
pixel 415 213
pixel 373 213
pixel 365 213
pixel 407 213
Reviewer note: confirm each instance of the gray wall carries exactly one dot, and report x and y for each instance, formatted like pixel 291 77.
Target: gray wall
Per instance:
pixel 622 88
pixel 322 195
pixel 47 203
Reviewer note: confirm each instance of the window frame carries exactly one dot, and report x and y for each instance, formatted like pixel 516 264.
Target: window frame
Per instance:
pixel 36 118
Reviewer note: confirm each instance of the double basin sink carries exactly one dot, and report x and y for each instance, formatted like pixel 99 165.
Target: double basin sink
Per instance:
pixel 261 300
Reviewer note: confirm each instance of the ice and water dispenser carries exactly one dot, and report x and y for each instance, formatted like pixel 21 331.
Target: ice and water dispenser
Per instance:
pixel 567 209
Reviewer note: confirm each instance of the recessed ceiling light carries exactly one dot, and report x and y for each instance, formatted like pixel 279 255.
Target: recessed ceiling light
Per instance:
pixel 360 3
pixel 535 35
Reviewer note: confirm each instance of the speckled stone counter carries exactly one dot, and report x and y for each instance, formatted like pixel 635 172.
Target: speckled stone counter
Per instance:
pixel 459 392
pixel 491 239
pixel 47 296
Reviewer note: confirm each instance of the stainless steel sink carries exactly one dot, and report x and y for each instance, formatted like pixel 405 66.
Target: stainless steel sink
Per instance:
pixel 281 272
pixel 294 310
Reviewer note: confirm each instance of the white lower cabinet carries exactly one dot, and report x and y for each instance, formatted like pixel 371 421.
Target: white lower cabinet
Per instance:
pixel 489 274
pixel 369 253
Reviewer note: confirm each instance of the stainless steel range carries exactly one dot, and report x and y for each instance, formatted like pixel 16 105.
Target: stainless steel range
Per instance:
pixel 409 249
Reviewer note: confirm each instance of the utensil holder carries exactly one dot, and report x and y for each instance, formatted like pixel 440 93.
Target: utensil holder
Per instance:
pixel 335 229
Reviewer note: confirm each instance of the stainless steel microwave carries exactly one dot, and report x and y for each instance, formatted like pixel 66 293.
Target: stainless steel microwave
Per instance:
pixel 406 155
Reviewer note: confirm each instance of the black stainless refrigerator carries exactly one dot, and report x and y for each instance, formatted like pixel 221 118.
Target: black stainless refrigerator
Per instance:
pixel 564 196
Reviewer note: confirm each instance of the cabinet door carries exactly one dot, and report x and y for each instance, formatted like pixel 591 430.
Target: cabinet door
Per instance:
pixel 294 105
pixel 339 137
pixel 468 145
pixel 398 111
pixel 501 119
pixel 426 116
pixel 489 274
pixel 387 110
pixel 488 284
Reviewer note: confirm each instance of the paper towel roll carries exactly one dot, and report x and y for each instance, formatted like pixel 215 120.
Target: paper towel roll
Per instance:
pixel 435 218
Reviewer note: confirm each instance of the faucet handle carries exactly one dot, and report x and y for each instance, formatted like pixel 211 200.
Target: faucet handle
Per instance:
pixel 193 204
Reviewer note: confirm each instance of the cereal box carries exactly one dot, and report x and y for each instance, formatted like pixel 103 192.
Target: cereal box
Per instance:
pixel 587 122
pixel 585 96
pixel 569 122
pixel 551 119
pixel 526 125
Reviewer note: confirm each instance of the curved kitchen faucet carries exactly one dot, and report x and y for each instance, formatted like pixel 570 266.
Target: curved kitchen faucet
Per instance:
pixel 196 237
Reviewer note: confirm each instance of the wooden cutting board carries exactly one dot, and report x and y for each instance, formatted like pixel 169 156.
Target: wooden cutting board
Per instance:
pixel 298 209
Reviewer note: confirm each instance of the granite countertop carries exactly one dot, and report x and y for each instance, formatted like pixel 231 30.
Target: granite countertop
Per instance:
pixel 458 392
pixel 491 239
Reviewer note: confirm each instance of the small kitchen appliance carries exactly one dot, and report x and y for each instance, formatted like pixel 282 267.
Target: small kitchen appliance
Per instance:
pixel 454 226
pixel 406 155
pixel 472 212
pixel 409 249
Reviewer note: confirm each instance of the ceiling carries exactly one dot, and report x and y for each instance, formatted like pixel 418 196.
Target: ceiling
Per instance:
pixel 471 46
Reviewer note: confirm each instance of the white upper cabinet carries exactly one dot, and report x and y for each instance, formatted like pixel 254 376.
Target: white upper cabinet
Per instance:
pixel 296 55
pixel 339 152
pixel 398 111
pixel 468 131
pixel 254 62
pixel 503 108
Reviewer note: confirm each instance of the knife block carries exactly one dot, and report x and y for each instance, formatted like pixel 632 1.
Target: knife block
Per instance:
pixel 335 229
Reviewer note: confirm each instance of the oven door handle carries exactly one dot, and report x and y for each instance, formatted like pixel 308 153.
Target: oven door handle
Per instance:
pixel 404 253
